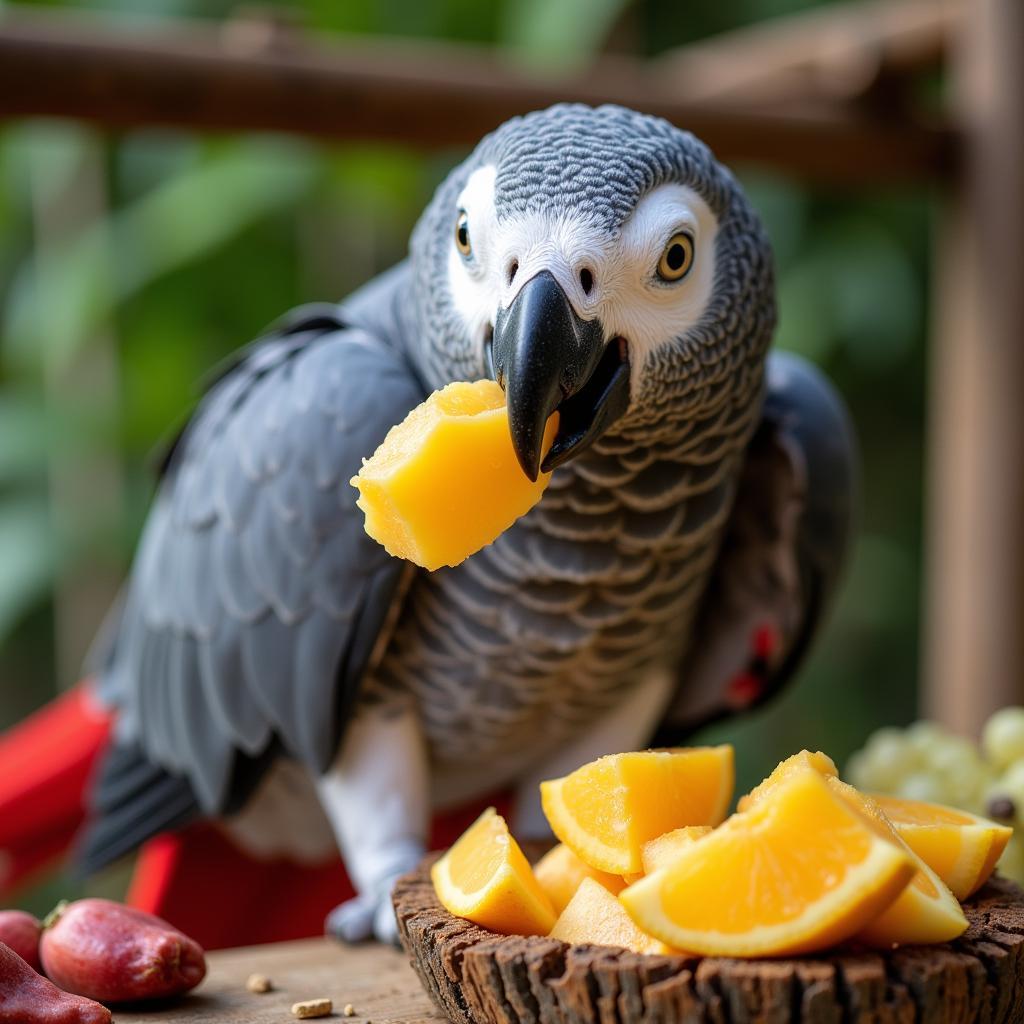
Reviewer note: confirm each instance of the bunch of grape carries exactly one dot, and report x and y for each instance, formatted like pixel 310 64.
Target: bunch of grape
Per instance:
pixel 927 762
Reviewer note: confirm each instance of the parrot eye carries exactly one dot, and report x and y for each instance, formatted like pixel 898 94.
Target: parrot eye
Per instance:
pixel 462 233
pixel 677 258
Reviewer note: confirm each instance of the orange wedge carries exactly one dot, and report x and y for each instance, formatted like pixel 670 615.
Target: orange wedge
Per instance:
pixel 660 852
pixel 961 848
pixel 926 911
pixel 560 873
pixel 594 915
pixel 446 482
pixel 821 763
pixel 485 878
pixel 800 870
pixel 606 810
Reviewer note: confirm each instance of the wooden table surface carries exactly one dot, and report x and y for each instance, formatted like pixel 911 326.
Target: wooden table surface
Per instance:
pixel 376 980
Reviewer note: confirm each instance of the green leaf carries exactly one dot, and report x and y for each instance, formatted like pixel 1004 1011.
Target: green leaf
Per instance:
pixel 196 212
pixel 807 321
pixel 547 36
pixel 783 207
pixel 55 304
pixel 24 429
pixel 28 557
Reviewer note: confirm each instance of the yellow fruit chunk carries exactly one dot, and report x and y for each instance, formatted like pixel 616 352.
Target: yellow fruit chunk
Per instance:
pixel 961 848
pixel 799 871
pixel 926 911
pixel 594 915
pixel 560 873
pixel 485 878
pixel 660 852
pixel 821 763
pixel 446 481
pixel 606 810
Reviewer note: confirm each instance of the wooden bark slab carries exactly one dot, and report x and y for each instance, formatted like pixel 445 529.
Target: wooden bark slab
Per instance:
pixel 477 977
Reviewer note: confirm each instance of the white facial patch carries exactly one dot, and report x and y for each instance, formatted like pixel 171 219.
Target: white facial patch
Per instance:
pixel 626 292
pixel 647 311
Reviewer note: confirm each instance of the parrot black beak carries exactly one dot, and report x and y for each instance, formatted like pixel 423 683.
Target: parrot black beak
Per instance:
pixel 546 358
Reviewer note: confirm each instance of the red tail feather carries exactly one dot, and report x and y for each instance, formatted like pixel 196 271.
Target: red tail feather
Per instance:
pixel 206 886
pixel 197 879
pixel 45 766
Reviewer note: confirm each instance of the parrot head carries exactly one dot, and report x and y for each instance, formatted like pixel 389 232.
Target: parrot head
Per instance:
pixel 598 262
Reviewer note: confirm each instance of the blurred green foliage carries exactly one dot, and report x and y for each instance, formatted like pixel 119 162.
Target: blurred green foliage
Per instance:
pixel 157 253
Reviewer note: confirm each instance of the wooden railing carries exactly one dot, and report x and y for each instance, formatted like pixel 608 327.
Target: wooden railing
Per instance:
pixel 252 76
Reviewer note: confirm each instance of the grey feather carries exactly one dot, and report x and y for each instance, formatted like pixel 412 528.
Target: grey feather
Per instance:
pixel 245 625
pixel 130 794
pixel 237 715
pixel 788 540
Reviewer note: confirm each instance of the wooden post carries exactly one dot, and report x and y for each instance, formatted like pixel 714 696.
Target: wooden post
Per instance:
pixel 974 591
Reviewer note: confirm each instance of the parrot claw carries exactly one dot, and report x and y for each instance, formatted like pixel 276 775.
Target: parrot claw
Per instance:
pixel 353 920
pixel 369 915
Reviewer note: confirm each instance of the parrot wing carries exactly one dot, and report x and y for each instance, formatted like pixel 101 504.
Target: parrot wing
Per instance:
pixel 256 598
pixel 784 549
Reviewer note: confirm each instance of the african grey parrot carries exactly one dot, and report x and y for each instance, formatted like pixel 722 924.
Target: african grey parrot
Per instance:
pixel 273 668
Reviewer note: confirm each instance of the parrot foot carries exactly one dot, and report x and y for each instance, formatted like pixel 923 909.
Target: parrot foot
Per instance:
pixel 371 915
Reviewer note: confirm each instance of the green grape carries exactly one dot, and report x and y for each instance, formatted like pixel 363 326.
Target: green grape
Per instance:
pixel 963 790
pixel 1003 736
pixel 924 737
pixel 978 802
pixel 959 770
pixel 922 786
pixel 861 771
pixel 1011 864
pixel 954 754
pixel 887 735
pixel 883 763
pixel 1009 785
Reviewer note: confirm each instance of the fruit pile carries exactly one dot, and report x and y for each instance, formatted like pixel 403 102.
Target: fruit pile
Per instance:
pixel 927 762
pixel 649 861
pixel 88 953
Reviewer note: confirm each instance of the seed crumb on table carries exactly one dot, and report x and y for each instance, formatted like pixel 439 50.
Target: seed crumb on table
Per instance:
pixel 349 1011
pixel 259 983
pixel 309 1008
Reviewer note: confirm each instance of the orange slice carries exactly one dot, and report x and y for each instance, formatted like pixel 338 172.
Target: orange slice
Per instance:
pixel 606 810
pixel 446 481
pixel 821 763
pixel 560 873
pixel 926 910
pixel 594 915
pixel 961 848
pixel 485 878
pixel 800 870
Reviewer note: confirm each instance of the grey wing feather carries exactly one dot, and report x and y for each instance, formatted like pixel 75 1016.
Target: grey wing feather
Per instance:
pixel 789 534
pixel 256 597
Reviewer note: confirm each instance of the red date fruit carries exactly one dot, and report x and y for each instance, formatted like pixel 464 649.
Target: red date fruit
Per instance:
pixel 20 931
pixel 28 998
pixel 107 951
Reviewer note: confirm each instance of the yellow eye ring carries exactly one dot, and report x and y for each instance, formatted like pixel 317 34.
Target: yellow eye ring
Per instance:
pixel 462 242
pixel 677 258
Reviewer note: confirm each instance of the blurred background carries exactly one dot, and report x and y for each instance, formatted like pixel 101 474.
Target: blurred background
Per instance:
pixel 132 261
